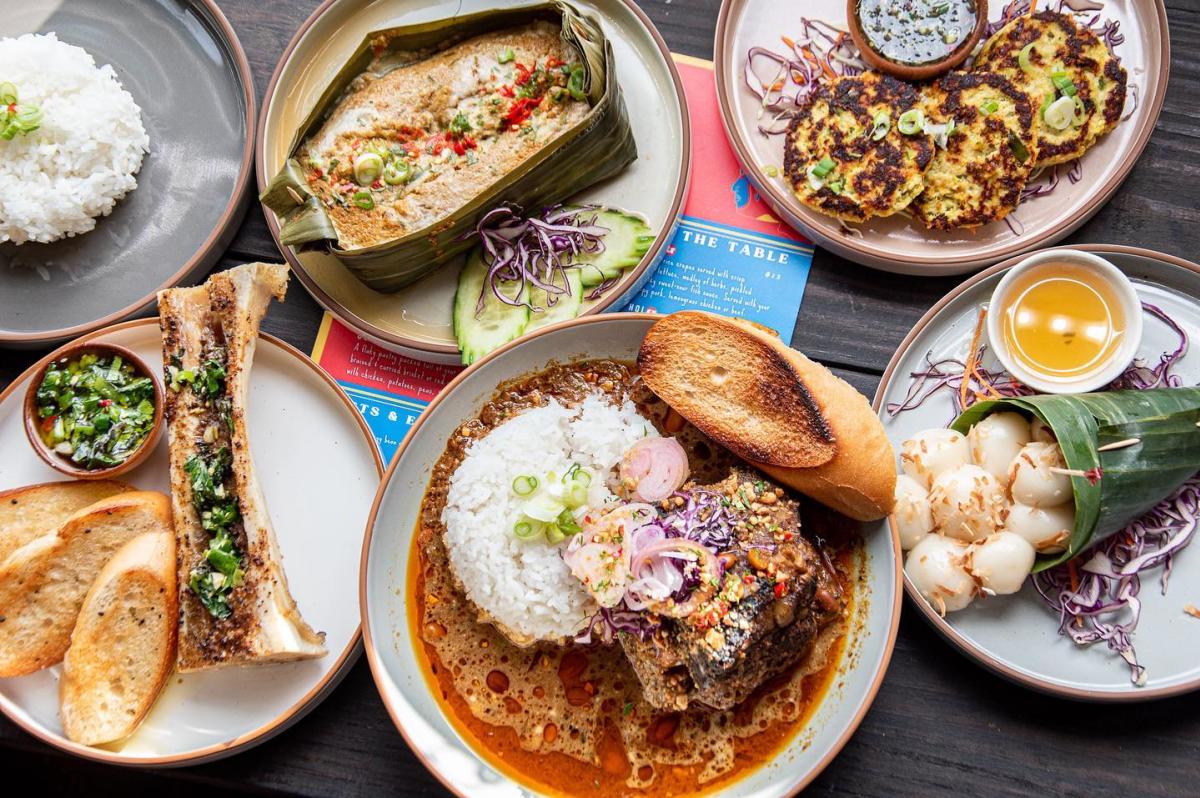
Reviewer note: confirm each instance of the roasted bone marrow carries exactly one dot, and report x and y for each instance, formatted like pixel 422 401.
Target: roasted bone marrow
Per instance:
pixel 235 605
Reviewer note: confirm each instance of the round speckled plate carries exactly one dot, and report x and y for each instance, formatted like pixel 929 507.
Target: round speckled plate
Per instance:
pixel 208 715
pixel 417 319
pixel 897 244
pixel 183 65
pixel 1016 636
pixel 391 647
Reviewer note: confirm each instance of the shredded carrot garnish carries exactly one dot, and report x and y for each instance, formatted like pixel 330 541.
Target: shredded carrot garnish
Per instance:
pixel 777 85
pixel 1032 7
pixel 789 42
pixel 972 358
pixel 1074 572
pixel 1191 610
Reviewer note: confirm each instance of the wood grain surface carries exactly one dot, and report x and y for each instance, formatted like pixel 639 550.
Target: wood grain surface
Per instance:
pixel 940 725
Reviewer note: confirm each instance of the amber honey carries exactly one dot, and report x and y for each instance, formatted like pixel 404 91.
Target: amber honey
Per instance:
pixel 1063 320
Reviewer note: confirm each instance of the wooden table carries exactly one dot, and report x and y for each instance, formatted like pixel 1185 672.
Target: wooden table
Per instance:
pixel 940 725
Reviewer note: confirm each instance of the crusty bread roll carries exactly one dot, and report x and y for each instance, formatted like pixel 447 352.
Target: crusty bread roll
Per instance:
pixel 773 407
pixel 123 647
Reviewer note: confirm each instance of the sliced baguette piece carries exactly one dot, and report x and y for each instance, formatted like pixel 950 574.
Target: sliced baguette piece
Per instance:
pixel 730 378
pixel 264 624
pixel 36 510
pixel 123 646
pixel 739 387
pixel 43 583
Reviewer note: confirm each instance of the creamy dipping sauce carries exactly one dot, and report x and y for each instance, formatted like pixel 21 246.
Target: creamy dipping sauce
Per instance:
pixel 916 32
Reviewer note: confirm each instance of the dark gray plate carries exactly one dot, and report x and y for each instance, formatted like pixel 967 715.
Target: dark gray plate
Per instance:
pixel 182 62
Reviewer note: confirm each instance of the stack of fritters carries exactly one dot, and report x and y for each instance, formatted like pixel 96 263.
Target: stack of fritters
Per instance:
pixel 972 139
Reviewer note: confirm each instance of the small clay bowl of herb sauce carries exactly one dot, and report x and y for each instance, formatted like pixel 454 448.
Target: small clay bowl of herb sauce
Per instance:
pixel 916 39
pixel 93 410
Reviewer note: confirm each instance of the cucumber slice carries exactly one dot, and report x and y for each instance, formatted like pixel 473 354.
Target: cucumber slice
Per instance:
pixel 567 306
pixel 628 239
pixel 495 326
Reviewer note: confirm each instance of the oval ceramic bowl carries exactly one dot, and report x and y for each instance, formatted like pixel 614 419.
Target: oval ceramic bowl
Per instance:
pixel 57 461
pixel 1016 636
pixel 913 72
pixel 317 486
pixel 182 63
pixel 898 244
pixel 417 320
pixel 383 599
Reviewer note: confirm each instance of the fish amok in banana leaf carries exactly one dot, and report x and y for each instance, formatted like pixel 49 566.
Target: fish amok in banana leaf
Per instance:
pixel 428 127
pixel 1123 483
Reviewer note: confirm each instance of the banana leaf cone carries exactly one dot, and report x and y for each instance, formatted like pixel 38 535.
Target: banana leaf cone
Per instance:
pixel 597 147
pixel 1116 486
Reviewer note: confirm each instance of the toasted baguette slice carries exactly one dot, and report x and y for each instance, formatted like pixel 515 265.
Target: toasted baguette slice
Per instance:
pixel 123 646
pixel 770 405
pixel 737 386
pixel 43 583
pixel 264 624
pixel 36 510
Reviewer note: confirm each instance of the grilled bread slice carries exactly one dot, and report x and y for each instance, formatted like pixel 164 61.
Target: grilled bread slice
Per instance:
pixel 235 605
pixel 43 583
pixel 36 510
pixel 773 407
pixel 123 646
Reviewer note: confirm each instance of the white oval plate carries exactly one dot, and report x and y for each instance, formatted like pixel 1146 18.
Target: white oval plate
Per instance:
pixel 897 244
pixel 1016 636
pixel 390 645
pixel 319 469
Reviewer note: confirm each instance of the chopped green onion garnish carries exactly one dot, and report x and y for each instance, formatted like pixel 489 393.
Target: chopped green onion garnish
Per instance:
pixel 989 107
pixel 940 9
pixel 1063 83
pixel 882 124
pixel 364 200
pixel 836 186
pixel 506 56
pixel 771 171
pixel 575 82
pixel 1018 148
pixel 912 122
pixel 397 172
pixel 8 93
pixel 524 485
pixel 1080 111
pixel 824 167
pixel 1059 114
pixel 554 534
pixel 367 169
pixel 524 530
pixel 1023 58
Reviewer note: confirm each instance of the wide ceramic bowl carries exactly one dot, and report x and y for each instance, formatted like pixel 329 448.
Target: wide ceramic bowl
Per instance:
pixel 391 647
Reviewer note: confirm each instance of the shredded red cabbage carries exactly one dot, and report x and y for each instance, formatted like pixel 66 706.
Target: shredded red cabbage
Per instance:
pixel 522 251
pixel 1104 605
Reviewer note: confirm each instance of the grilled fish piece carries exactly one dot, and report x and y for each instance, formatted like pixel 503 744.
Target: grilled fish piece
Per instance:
pixel 234 604
pixel 776 595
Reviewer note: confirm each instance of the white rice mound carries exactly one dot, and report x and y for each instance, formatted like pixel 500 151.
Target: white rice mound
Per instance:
pixel 524 585
pixel 56 180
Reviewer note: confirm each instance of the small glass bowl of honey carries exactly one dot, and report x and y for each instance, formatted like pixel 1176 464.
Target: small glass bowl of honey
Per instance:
pixel 1065 321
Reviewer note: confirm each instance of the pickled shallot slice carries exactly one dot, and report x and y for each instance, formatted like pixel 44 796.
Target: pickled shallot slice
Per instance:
pixel 654 468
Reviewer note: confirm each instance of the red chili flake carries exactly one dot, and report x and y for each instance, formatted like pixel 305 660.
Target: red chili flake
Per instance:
pixel 507 91
pixel 12 108
pixel 318 172
pixel 788 537
pixel 780 589
pixel 553 62
pixel 377 184
pixel 48 423
pixel 523 74
pixel 105 402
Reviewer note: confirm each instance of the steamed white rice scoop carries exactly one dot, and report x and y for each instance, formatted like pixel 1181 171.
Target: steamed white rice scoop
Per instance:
pixel 76 139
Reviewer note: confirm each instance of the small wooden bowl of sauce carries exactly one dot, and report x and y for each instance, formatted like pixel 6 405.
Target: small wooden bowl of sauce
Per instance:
pixel 93 410
pixel 1065 321
pixel 916 39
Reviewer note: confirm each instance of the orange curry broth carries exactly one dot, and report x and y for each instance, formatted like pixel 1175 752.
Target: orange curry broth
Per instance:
pixel 557 773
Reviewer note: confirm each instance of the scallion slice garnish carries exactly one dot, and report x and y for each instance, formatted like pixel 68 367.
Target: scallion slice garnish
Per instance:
pixel 367 168
pixel 1063 83
pixel 525 530
pixel 364 200
pixel 507 56
pixel 1080 112
pixel 912 122
pixel 1023 58
pixel 525 484
pixel 1018 147
pixel 824 167
pixel 397 172
pixel 8 93
pixel 1059 114
pixel 989 107
pixel 882 123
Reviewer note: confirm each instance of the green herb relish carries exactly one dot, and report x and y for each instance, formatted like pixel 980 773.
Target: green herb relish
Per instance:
pixel 209 475
pixel 95 411
pixel 916 32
